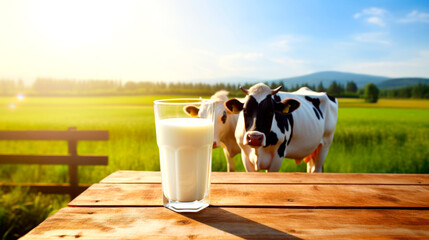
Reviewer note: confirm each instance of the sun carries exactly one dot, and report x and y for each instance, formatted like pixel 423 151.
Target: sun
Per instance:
pixel 95 39
pixel 77 23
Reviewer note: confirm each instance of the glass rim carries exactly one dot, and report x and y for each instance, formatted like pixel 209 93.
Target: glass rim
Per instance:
pixel 176 101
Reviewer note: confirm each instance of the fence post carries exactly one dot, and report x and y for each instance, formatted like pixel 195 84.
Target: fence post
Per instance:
pixel 73 177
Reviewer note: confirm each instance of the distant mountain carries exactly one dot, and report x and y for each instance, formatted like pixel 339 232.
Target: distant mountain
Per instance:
pixel 402 82
pixel 327 77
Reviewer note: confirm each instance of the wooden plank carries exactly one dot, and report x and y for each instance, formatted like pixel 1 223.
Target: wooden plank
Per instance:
pixel 50 188
pixel 280 195
pixel 53 159
pixel 233 223
pixel 55 135
pixel 279 178
pixel 136 177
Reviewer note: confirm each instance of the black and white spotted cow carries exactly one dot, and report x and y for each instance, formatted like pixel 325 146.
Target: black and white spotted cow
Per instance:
pixel 224 127
pixel 273 125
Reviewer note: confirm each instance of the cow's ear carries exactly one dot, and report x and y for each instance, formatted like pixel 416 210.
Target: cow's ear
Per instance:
pixel 234 106
pixel 191 111
pixel 289 105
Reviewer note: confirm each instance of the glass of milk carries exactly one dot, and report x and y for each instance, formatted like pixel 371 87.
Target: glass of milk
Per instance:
pixel 184 134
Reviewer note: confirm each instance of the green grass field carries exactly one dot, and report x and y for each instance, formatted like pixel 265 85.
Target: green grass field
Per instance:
pixel 388 137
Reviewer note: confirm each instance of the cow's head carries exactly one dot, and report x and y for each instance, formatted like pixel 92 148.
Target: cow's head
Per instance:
pixel 222 122
pixel 259 108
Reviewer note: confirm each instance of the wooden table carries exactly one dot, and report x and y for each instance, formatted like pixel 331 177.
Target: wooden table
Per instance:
pixel 128 205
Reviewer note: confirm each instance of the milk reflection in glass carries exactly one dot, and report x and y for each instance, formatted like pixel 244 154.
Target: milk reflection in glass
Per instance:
pixel 185 151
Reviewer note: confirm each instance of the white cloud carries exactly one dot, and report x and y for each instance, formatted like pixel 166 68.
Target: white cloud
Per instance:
pixel 265 63
pixel 371 12
pixel 416 16
pixel 376 20
pixel 285 42
pixel 273 58
pixel 288 61
pixel 373 16
pixel 372 37
pixel 412 67
pixel 241 62
pixel 250 56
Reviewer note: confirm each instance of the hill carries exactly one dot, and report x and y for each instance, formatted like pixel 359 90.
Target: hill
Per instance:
pixel 402 82
pixel 327 77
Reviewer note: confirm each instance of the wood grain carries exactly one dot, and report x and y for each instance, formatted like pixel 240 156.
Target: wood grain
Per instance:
pixel 233 223
pixel 278 195
pixel 280 178
pixel 128 205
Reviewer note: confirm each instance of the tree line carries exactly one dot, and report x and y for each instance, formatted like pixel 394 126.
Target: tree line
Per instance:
pixel 417 91
pixel 50 86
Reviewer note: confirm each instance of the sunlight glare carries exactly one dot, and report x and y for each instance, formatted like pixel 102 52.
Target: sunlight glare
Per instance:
pixel 77 23
pixel 20 96
pixel 105 39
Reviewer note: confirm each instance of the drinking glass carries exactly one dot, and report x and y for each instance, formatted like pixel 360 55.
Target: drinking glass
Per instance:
pixel 184 134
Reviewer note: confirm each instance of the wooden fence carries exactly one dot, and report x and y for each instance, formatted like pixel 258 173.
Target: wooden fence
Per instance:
pixel 73 160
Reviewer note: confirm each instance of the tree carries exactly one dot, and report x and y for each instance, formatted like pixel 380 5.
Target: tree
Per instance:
pixel 273 85
pixel 420 91
pixel 20 85
pixel 371 93
pixel 335 89
pixel 281 83
pixel 320 87
pixel 351 87
pixel 130 86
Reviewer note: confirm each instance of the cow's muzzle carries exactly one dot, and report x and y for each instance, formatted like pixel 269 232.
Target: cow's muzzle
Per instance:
pixel 254 139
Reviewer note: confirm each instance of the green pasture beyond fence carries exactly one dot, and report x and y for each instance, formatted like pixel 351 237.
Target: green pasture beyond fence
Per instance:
pixel 390 136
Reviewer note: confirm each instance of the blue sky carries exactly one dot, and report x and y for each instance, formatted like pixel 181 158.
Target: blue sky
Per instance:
pixel 211 40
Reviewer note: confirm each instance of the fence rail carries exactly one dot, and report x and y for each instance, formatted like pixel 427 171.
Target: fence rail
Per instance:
pixel 73 160
pixel 53 159
pixel 56 135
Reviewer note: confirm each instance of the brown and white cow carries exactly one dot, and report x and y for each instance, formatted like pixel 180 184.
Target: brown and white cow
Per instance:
pixel 224 127
pixel 273 125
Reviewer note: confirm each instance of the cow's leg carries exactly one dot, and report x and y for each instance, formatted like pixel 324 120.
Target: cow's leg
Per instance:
pixel 328 136
pixel 246 162
pixel 310 166
pixel 276 164
pixel 320 159
pixel 229 161
pixel 312 160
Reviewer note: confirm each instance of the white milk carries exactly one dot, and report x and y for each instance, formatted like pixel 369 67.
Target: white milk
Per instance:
pixel 185 146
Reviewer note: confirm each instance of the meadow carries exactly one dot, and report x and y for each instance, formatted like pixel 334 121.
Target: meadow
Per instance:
pixel 388 137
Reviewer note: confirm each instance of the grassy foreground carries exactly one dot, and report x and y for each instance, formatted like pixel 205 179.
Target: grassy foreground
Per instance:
pixel 388 137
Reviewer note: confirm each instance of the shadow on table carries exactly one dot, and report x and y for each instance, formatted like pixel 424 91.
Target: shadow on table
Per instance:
pixel 237 225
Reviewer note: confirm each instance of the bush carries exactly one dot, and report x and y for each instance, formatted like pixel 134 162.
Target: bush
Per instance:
pixel 21 211
pixel 371 93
